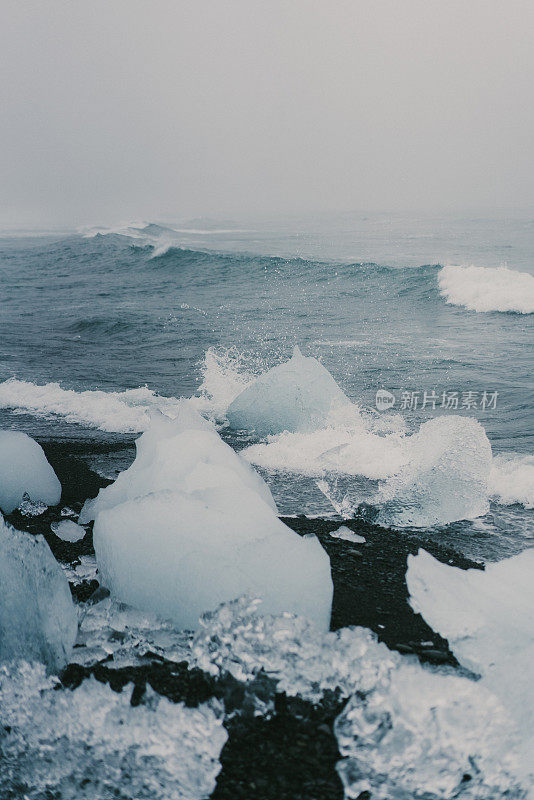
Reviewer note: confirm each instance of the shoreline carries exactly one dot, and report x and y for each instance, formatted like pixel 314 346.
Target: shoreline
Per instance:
pixel 291 753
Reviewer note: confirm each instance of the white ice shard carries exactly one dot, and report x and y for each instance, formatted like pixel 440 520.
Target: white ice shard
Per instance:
pixel 349 536
pixel 25 470
pixel 487 618
pixel 191 525
pixel 445 476
pixel 68 531
pixel 38 620
pixel 298 395
pixel 92 743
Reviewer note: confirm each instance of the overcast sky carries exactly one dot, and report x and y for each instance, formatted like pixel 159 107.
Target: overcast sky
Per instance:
pixel 153 109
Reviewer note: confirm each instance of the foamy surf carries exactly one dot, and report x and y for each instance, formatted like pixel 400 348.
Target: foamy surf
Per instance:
pixel 114 412
pixel 511 480
pixel 487 288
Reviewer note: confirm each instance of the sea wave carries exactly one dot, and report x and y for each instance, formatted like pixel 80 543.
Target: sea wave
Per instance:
pixel 115 412
pixel 354 443
pixel 487 288
pixel 511 480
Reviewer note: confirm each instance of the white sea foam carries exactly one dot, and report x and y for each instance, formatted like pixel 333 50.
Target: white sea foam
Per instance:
pixel 487 288
pixel 511 480
pixel 120 412
pixel 350 450
pixel 225 373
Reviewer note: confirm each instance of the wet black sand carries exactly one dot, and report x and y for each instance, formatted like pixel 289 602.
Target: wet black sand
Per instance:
pixel 290 753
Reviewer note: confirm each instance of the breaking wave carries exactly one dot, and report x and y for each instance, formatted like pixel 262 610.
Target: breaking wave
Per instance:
pixel 115 412
pixel 488 289
pixel 353 445
pixel 511 480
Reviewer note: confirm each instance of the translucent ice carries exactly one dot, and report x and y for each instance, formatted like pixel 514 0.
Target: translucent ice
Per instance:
pixel 25 470
pixel 191 525
pixel 38 620
pixel 91 743
pixel 427 735
pixel 407 732
pixel 445 477
pixel 237 639
pixel 125 636
pixel 298 395
pixel 487 618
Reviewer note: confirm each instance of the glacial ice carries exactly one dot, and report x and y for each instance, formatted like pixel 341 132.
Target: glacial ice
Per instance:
pixel 190 525
pixel 236 638
pixel 38 620
pixel 298 395
pixel 25 470
pixel 427 735
pixel 91 743
pixel 185 453
pixel 407 732
pixel 438 475
pixel 487 288
pixel 349 536
pixel 487 618
pixel 68 531
pixel 124 636
pixel 445 477
pixel 179 554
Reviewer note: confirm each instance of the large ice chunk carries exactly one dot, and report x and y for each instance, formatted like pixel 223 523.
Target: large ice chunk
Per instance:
pixel 184 453
pixel 25 470
pixel 487 618
pixel 179 554
pixel 38 620
pixel 191 525
pixel 445 476
pixel 298 395
pixel 427 735
pixel 92 743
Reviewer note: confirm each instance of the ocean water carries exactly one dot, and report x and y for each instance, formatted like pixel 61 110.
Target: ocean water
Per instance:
pixel 98 327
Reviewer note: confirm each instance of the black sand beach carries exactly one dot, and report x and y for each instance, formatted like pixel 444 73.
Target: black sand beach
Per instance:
pixel 290 753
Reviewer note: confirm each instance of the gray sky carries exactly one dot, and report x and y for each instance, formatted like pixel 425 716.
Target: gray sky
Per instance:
pixel 119 109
